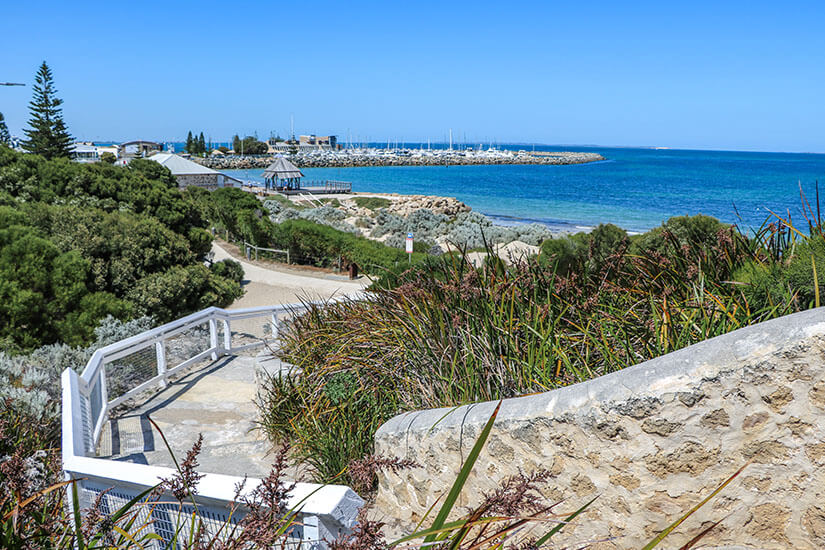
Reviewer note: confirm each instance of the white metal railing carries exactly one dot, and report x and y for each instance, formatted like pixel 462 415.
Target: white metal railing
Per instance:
pixel 121 370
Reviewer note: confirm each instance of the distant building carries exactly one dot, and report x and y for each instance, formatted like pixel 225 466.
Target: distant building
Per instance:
pixel 86 151
pixel 188 173
pixel 320 142
pixel 132 149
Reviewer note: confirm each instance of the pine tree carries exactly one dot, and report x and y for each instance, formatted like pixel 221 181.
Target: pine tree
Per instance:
pixel 5 138
pixel 201 144
pixel 236 144
pixel 47 135
pixel 189 143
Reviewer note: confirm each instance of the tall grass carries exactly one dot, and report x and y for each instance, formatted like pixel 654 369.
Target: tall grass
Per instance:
pixel 445 333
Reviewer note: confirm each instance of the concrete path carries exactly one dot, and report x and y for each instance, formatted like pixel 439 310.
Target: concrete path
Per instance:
pixel 216 400
pixel 271 284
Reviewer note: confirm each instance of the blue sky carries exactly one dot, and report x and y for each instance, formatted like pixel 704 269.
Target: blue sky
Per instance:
pixel 723 75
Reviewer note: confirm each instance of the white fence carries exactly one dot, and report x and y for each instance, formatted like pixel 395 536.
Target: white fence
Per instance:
pixel 121 370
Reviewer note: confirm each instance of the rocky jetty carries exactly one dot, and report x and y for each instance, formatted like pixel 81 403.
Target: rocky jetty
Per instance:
pixel 384 157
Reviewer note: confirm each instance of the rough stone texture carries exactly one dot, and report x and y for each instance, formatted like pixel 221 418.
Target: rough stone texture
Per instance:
pixel 652 441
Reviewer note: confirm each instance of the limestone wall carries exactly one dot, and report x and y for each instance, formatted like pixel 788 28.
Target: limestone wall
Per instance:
pixel 652 441
pixel 206 181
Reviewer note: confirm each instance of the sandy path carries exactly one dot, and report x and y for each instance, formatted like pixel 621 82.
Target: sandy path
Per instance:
pixel 272 285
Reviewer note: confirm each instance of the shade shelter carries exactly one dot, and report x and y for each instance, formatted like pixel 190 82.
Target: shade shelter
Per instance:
pixel 282 174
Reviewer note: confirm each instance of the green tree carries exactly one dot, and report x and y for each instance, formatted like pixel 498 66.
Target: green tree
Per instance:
pixel 108 158
pixel 201 144
pixel 5 138
pixel 236 144
pixel 190 143
pixel 47 133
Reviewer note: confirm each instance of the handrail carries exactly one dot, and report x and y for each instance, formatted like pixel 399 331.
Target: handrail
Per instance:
pixel 86 405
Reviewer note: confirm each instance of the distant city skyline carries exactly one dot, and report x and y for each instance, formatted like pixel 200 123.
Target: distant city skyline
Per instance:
pixel 737 76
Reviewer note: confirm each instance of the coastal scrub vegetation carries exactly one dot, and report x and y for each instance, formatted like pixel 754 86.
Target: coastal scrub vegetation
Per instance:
pixel 272 224
pixel 444 333
pixel 79 243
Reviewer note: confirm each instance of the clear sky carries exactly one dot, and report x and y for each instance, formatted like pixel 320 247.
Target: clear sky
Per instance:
pixel 699 74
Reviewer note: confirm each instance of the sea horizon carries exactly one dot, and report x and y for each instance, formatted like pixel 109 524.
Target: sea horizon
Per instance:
pixel 634 188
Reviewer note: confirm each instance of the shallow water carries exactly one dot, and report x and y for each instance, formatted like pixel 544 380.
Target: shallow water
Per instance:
pixel 636 189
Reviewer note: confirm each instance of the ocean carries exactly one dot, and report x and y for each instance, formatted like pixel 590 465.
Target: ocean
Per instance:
pixel 636 189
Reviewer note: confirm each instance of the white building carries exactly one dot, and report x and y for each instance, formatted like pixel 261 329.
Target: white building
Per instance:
pixel 189 173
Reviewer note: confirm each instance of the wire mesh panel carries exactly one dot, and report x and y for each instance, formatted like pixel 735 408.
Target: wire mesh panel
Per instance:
pixel 253 330
pixel 167 518
pixel 187 344
pixel 130 371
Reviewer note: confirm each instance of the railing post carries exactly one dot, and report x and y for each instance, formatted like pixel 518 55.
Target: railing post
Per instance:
pixel 274 326
pixel 213 337
pixel 227 337
pixel 160 354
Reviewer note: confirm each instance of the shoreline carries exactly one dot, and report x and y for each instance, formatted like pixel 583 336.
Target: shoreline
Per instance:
pixel 363 158
pixel 446 205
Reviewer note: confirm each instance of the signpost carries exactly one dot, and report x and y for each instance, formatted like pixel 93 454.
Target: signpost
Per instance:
pixel 409 247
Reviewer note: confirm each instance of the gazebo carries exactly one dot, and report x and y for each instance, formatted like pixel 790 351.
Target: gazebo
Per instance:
pixel 282 174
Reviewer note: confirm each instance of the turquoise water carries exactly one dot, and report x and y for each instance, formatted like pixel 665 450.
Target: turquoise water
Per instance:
pixel 636 189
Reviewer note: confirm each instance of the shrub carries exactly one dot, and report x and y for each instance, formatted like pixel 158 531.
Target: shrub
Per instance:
pixel 228 269
pixel 321 245
pixel 442 333
pixel 371 203
pixel 182 290
pixel 108 158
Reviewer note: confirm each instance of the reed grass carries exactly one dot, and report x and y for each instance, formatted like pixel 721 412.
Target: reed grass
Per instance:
pixel 444 333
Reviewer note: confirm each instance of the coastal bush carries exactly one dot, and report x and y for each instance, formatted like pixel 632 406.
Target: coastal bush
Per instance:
pixel 386 222
pixel 584 252
pixel 228 269
pixel 325 246
pixel 181 290
pixel 30 384
pixel 327 215
pixel 77 239
pixel 371 203
pixel 443 333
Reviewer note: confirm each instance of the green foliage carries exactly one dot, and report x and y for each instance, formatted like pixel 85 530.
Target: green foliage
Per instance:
pixel 167 294
pixel 196 145
pixel 249 146
pixel 108 157
pixel 47 134
pixel 789 282
pixel 76 240
pixel 372 203
pixel 443 333
pixel 322 245
pixel 584 251
pixel 5 137
pixel 228 269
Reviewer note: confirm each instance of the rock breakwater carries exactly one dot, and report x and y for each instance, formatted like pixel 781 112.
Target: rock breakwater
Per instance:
pixel 382 157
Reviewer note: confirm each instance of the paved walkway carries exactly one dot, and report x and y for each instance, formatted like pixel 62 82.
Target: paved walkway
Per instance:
pixel 274 284
pixel 217 400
